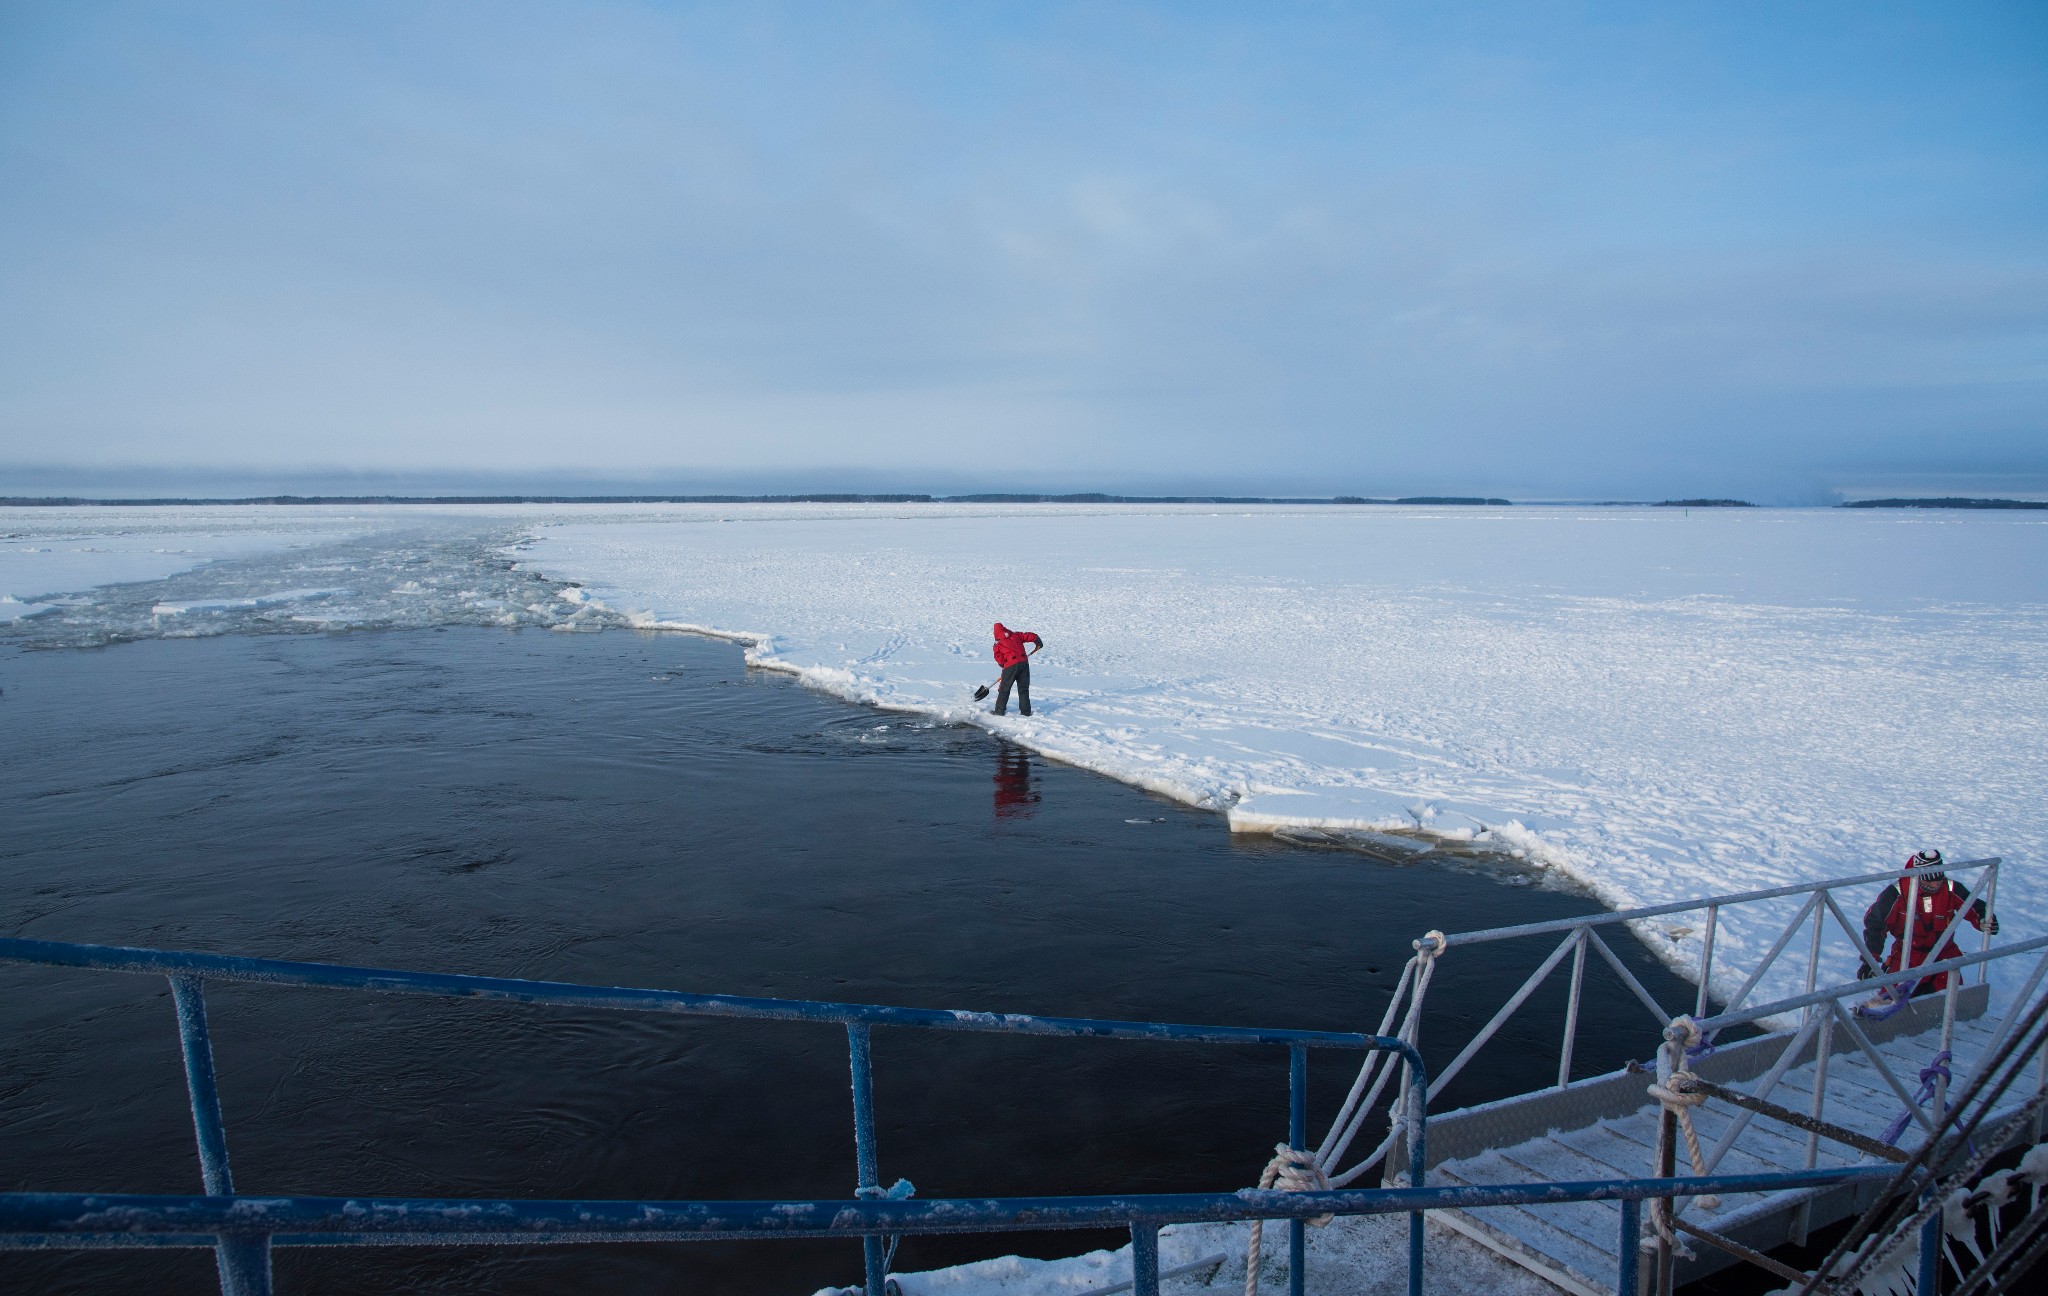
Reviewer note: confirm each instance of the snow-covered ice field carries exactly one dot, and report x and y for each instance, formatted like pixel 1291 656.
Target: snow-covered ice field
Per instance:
pixel 1652 703
pixel 1658 704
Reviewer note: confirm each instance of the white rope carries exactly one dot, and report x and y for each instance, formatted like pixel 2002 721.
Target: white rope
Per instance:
pixel 1681 1103
pixel 1298 1170
pixel 1672 1094
pixel 1290 1170
pixel 1351 1117
pixel 1345 1121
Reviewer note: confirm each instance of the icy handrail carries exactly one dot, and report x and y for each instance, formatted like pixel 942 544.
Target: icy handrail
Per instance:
pixel 1684 906
pixel 1578 937
pixel 93 1220
pixel 229 967
pixel 243 1254
pixel 1720 1021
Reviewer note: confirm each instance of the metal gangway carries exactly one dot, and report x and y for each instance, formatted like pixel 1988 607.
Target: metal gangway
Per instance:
pixel 243 1228
pixel 1860 1077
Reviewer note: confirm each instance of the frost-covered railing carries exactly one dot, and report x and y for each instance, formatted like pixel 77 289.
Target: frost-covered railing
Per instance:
pixel 85 1220
pixel 242 1228
pixel 1581 935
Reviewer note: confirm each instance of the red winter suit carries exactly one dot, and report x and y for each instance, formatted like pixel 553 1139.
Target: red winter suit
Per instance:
pixel 1935 903
pixel 1016 664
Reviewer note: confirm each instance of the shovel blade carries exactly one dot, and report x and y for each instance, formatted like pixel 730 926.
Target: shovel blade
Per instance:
pixel 981 693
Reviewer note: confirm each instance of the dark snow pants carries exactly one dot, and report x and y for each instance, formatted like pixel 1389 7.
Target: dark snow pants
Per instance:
pixel 1020 675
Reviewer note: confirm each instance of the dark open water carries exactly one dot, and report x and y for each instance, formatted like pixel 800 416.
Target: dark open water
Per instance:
pixel 643 810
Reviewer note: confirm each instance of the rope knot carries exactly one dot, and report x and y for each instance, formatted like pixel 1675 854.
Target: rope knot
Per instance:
pixel 1678 1093
pixel 1697 1044
pixel 1933 1071
pixel 1679 1098
pixel 1290 1170
pixel 1293 1170
pixel 1432 944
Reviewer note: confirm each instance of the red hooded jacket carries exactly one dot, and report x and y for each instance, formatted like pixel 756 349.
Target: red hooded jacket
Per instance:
pixel 1940 902
pixel 1010 645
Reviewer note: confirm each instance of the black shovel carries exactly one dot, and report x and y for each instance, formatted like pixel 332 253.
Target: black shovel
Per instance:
pixel 982 692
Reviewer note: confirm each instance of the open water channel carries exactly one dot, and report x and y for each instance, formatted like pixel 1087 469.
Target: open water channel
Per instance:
pixel 638 809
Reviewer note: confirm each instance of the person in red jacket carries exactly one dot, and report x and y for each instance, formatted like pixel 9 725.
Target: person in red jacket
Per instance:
pixel 1015 659
pixel 1924 899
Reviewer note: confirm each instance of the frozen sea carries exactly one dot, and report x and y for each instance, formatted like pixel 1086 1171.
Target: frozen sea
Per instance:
pixel 1658 703
pixel 1654 702
pixel 1646 703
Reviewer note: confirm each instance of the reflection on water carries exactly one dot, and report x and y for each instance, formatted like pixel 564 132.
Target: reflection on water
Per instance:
pixel 1015 795
pixel 632 809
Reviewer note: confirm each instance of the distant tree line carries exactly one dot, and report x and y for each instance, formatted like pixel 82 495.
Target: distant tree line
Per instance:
pixel 1948 502
pixel 1091 497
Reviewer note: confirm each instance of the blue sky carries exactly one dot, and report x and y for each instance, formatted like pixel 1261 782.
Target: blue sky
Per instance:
pixel 1780 251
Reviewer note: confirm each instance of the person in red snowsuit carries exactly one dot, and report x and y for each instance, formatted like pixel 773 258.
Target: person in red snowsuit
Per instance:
pixel 1015 659
pixel 1925 899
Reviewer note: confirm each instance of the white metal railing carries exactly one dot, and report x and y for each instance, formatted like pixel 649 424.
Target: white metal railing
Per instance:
pixel 1824 1007
pixel 1579 935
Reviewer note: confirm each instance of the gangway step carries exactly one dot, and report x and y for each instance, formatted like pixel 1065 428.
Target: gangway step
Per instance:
pixel 1591 1130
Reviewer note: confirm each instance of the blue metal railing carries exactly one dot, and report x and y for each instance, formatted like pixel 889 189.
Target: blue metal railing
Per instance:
pixel 87 1220
pixel 244 1228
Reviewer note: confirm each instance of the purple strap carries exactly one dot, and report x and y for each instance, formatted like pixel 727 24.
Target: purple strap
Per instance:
pixel 1929 1074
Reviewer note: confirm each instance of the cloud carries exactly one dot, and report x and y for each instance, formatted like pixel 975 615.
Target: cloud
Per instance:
pixel 1589 255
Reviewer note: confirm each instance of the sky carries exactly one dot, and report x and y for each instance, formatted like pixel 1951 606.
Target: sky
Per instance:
pixel 1780 251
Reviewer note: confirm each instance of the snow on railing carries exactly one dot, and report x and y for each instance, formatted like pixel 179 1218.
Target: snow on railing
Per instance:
pixel 242 1228
pixel 1582 934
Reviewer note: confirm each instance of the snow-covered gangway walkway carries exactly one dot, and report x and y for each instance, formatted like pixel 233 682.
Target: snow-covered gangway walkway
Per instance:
pixel 1833 1090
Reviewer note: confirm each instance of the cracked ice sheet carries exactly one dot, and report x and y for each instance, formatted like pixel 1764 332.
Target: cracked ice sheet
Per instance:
pixel 1660 706
pixel 57 551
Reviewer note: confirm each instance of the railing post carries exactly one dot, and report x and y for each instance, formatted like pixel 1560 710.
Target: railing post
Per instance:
pixel 1930 1257
pixel 1629 1271
pixel 1670 1060
pixel 1803 1213
pixel 860 1060
pixel 1571 1013
pixel 1813 951
pixel 1823 1045
pixel 1699 1007
pixel 1418 1156
pixel 2041 1087
pixel 1906 961
pixel 244 1262
pixel 1948 1039
pixel 189 993
pixel 1297 1135
pixel 1144 1258
pixel 1990 912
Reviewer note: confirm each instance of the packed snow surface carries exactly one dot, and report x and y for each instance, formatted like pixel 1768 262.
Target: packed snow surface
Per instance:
pixel 1657 703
